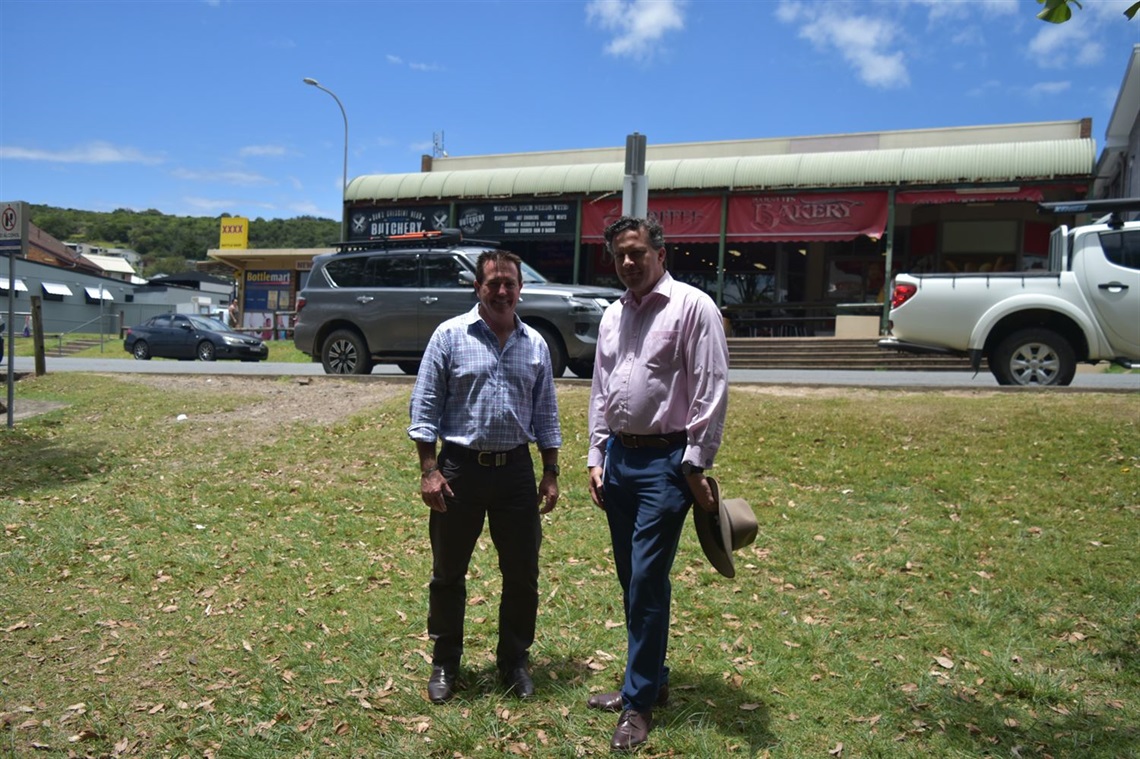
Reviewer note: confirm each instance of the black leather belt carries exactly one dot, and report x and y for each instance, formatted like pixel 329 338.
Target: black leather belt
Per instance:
pixel 667 440
pixel 486 458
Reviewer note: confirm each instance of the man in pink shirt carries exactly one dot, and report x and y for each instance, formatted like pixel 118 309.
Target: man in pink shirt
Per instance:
pixel 657 409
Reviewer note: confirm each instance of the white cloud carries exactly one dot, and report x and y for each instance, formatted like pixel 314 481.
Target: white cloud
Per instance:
pixel 863 41
pixel 262 151
pixel 396 60
pixel 1077 42
pixel 213 206
pixel 638 25
pixel 94 152
pixel 940 11
pixel 240 178
pixel 1047 89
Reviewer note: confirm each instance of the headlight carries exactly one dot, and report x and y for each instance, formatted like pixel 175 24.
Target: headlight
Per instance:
pixel 586 305
pixel 232 340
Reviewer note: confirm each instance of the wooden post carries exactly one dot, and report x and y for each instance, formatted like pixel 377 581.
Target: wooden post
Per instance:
pixel 38 334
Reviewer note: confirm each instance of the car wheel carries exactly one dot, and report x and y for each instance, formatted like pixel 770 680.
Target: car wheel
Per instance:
pixel 1037 357
pixel 140 350
pixel 557 352
pixel 345 352
pixel 583 369
pixel 207 351
pixel 409 367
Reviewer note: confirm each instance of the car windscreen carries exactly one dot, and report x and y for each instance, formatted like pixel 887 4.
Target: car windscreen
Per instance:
pixel 210 325
pixel 529 274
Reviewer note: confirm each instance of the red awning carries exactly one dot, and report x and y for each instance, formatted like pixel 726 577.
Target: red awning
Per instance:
pixel 797 218
pixel 939 197
pixel 685 219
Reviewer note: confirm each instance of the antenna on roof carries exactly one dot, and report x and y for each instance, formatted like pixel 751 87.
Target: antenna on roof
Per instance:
pixel 437 149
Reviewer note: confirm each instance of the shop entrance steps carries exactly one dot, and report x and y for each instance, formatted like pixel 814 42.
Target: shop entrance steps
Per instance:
pixel 833 354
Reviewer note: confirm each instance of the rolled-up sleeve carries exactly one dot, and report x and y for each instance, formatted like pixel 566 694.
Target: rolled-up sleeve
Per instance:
pixel 429 395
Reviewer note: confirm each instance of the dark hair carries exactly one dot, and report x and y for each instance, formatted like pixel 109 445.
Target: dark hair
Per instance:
pixel 626 223
pixel 496 256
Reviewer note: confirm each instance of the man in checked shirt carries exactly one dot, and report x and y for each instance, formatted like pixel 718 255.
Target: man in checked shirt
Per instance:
pixel 657 409
pixel 485 391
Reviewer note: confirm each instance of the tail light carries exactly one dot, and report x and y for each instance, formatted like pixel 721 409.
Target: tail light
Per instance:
pixel 300 305
pixel 902 294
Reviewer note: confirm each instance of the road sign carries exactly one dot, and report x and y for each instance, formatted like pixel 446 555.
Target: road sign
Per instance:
pixel 10 221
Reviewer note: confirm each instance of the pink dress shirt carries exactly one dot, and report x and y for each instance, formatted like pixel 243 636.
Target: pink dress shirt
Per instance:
pixel 661 366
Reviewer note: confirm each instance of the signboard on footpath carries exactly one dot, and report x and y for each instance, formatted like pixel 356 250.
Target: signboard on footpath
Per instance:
pixel 13 238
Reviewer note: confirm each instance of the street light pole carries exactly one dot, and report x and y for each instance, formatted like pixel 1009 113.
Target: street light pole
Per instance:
pixel 344 180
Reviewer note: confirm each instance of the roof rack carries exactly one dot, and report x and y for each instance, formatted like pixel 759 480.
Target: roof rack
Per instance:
pixel 1111 206
pixel 436 238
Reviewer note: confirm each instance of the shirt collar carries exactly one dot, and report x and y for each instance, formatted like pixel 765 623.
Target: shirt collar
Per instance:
pixel 473 316
pixel 663 289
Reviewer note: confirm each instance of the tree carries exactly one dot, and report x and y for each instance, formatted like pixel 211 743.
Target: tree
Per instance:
pixel 1058 11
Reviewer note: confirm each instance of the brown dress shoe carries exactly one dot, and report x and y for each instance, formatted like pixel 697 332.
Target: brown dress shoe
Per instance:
pixel 611 702
pixel 632 730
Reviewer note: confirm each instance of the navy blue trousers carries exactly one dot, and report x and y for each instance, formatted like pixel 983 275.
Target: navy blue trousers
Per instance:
pixel 646 499
pixel 508 497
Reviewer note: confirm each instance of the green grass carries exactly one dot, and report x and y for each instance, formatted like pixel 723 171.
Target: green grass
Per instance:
pixel 948 574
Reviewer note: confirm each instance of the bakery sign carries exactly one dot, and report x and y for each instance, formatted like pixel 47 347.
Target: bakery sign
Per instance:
pixel 367 223
pixel 773 218
pixel 518 221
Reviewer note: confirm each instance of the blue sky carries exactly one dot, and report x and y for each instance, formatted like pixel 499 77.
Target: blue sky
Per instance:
pixel 197 107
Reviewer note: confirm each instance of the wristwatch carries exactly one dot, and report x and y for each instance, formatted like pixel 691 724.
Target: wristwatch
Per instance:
pixel 551 469
pixel 687 469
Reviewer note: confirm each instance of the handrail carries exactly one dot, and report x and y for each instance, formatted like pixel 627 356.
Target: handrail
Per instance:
pixel 59 337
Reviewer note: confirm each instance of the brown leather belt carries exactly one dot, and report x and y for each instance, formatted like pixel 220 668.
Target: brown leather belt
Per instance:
pixel 486 458
pixel 667 440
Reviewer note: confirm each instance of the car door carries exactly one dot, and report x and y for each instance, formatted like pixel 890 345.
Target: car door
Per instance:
pixel 385 308
pixel 1112 277
pixel 447 291
pixel 182 338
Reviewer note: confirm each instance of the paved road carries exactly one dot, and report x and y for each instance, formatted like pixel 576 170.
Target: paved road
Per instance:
pixel 1085 380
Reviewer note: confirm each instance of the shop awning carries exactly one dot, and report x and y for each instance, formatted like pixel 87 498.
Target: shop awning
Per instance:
pixel 806 217
pixel 968 195
pixel 94 293
pixel 685 219
pixel 20 286
pixel 52 288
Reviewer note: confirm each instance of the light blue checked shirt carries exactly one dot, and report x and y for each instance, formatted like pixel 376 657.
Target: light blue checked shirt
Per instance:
pixel 470 393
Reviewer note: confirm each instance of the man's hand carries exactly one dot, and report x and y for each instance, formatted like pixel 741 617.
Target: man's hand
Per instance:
pixel 433 486
pixel 702 492
pixel 547 493
pixel 596 491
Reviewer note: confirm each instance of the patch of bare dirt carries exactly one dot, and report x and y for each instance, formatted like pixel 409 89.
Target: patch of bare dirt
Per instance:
pixel 276 402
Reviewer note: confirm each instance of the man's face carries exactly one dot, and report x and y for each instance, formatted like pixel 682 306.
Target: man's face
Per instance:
pixel 499 290
pixel 638 265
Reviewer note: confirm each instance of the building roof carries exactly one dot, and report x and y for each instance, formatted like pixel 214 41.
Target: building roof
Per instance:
pixel 116 264
pixel 899 166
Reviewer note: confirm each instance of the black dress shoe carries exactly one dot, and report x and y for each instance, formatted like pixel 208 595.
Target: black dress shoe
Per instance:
pixel 518 681
pixel 632 730
pixel 441 684
pixel 611 702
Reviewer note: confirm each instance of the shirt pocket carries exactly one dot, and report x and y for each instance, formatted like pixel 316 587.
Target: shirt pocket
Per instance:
pixel 662 349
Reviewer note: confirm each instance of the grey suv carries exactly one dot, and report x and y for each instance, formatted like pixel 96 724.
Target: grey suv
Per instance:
pixel 380 301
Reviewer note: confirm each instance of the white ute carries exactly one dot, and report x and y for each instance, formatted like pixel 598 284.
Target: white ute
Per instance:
pixel 1034 327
